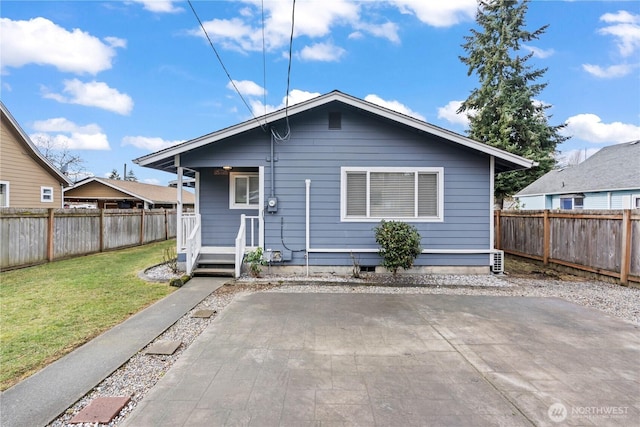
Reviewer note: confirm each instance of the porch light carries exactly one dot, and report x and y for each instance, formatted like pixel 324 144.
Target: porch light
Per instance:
pixel 227 168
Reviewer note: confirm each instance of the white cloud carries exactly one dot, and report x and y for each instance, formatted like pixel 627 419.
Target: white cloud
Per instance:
pixel 295 96
pixel 40 41
pixel 325 52
pixel 609 72
pixel 93 94
pixel 247 87
pixel 388 30
pixel 439 13
pixel 60 124
pixel 393 105
pixel 622 16
pixel 60 133
pixel 159 6
pixel 625 29
pixel 148 143
pixel 539 53
pixel 589 127
pixel 450 113
pixel 152 181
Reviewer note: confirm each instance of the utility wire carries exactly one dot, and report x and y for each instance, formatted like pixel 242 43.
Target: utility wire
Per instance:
pixel 264 65
pixel 223 66
pixel 286 108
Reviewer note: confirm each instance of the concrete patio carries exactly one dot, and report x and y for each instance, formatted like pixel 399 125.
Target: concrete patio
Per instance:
pixel 402 360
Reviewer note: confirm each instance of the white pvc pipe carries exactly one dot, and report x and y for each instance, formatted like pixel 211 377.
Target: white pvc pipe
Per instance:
pixel 307 183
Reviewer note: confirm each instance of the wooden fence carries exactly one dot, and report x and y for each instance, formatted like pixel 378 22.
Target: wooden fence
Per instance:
pixel 601 242
pixel 34 236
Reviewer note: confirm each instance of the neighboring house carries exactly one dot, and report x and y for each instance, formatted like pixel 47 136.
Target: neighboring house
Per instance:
pixel 27 178
pixel 609 179
pixel 103 193
pixel 312 199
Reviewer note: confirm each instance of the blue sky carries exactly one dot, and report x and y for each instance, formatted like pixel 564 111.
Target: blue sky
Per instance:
pixel 114 80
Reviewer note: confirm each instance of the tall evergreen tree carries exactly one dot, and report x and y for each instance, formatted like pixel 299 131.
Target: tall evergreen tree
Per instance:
pixel 114 174
pixel 504 111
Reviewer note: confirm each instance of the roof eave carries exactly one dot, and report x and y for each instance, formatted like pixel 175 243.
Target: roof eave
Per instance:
pixel 515 161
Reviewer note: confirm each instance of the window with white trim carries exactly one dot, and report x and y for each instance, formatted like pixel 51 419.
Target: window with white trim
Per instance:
pixel 372 194
pixel 4 194
pixel 636 202
pixel 571 203
pixel 46 194
pixel 244 191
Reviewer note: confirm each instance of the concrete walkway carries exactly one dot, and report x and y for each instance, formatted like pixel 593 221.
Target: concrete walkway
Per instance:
pixel 39 399
pixel 278 359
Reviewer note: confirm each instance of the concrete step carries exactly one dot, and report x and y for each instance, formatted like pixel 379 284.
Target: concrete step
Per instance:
pixel 216 272
pixel 217 259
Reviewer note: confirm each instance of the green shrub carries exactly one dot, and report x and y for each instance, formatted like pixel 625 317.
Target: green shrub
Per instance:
pixel 399 244
pixel 255 261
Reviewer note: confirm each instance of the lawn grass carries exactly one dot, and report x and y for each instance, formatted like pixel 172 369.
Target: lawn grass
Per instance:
pixel 48 310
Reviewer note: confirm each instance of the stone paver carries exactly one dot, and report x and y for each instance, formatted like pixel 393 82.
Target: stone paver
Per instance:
pixel 101 410
pixel 379 360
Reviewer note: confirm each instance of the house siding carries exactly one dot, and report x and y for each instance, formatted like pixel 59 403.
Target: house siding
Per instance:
pixel 316 153
pixel 24 174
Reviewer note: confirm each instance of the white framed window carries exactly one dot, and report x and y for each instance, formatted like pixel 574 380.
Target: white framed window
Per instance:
pixel 4 194
pixel 571 203
pixel 636 202
pixel 244 190
pixel 374 193
pixel 46 194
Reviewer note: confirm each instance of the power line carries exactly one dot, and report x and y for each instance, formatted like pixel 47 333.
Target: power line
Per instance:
pixel 264 64
pixel 223 66
pixel 286 108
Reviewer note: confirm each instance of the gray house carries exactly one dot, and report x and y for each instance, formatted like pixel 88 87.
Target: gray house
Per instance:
pixel 310 183
pixel 610 179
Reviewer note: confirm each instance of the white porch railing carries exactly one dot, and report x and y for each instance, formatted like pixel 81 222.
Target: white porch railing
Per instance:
pixel 189 222
pixel 241 239
pixel 193 242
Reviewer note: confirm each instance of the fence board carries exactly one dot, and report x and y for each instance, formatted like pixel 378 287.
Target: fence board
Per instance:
pixel 588 240
pixel 24 232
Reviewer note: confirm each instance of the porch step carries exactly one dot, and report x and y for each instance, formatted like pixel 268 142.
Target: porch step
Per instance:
pixel 218 272
pixel 215 264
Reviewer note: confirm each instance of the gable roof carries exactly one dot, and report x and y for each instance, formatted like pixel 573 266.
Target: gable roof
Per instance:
pixel 154 194
pixel 32 149
pixel 164 159
pixel 616 167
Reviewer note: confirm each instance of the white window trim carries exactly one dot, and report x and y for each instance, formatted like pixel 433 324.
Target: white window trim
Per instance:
pixel 634 201
pixel 573 203
pixel 6 196
pixel 232 190
pixel 343 193
pixel 42 198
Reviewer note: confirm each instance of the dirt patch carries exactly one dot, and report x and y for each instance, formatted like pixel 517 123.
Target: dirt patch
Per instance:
pixel 525 268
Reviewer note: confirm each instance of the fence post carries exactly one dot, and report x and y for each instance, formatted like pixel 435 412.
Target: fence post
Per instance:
pixel 546 239
pixel 166 225
pixel 101 230
pixel 497 231
pixel 141 227
pixel 50 243
pixel 625 253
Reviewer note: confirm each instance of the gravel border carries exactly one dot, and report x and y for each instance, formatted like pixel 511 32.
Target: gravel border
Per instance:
pixel 142 372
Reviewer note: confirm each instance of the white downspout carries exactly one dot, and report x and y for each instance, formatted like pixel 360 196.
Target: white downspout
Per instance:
pixel 307 183
pixel 492 236
pixel 179 207
pixel 196 208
